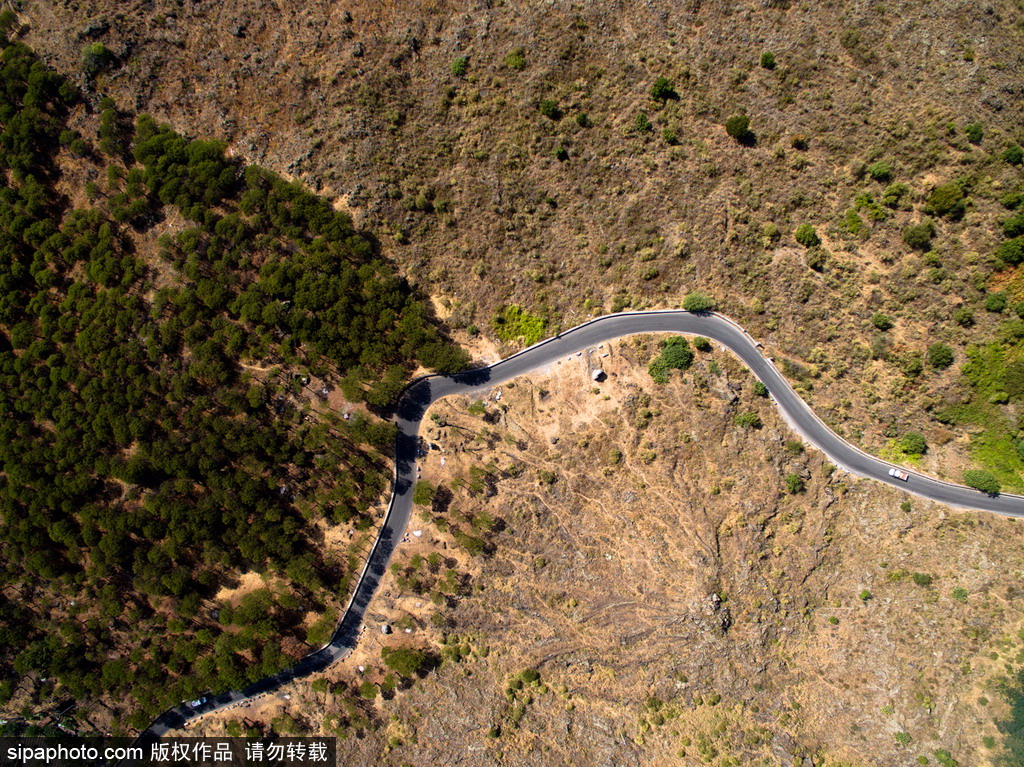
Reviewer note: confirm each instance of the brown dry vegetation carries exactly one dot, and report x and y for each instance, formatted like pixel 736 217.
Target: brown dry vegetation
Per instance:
pixel 604 575
pixel 458 174
pixel 650 564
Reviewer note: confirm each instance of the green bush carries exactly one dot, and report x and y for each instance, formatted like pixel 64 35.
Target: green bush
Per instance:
pixel 894 195
pixel 768 60
pixel 460 65
pixel 806 235
pixel 922 579
pixel 738 126
pixel 913 443
pixel 748 420
pixel 940 356
pixel 760 389
pixel 794 484
pixel 513 323
pixel 817 258
pixel 701 344
pixel 516 60
pixel 995 302
pixel 946 200
pixel 658 371
pixel 963 317
pixel 406 661
pixel 676 353
pixel 1013 155
pixel 96 57
pixel 975 132
pixel 882 321
pixel 1011 251
pixel 880 171
pixel 663 90
pixel 982 480
pixel 423 494
pixel 549 108
pixel 1014 226
pixel 642 124
pixel 919 236
pixel 865 595
pixel 698 302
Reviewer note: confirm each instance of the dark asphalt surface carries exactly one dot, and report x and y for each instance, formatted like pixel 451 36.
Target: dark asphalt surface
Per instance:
pixel 423 392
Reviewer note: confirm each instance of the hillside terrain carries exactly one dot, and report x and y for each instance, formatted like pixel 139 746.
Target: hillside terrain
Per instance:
pixel 518 154
pixel 637 581
pixel 846 181
pixel 173 326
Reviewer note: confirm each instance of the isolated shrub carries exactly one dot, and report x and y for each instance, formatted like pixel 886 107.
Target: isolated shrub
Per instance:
pixel 670 136
pixel 995 302
pixel 663 90
pixel 562 154
pixel 423 494
pixel 865 595
pixel 748 420
pixel 549 108
pixel 946 200
pixel 981 480
pixel 880 171
pixel 701 344
pixel 963 317
pixel 406 662
pixel 794 484
pixel 817 258
pixel 642 124
pixel 1013 155
pixel 516 60
pixel 676 353
pixel 940 356
pixel 882 321
pixel 807 236
pixel 894 195
pixel 913 443
pixel 738 126
pixel 583 120
pixel 760 389
pixel 768 60
pixel 922 579
pixel 919 236
pixel 799 141
pixel 698 302
pixel 460 65
pixel 1011 251
pixel 974 132
pixel 96 57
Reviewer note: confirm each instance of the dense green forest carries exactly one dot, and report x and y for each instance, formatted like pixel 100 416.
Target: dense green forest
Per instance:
pixel 141 466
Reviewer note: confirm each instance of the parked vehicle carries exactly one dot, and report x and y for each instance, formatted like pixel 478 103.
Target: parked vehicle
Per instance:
pixel 197 702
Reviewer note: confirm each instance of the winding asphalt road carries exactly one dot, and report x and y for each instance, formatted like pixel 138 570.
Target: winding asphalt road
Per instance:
pixel 420 394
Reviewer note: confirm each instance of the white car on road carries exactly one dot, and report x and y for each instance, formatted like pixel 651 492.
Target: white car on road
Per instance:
pixel 899 474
